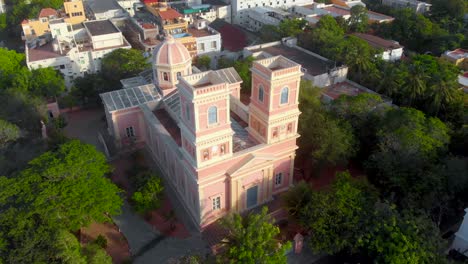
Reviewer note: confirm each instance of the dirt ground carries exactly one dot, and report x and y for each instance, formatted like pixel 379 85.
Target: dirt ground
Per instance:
pixel 117 246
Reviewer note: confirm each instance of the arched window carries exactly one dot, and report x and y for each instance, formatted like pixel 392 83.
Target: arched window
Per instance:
pixel 260 93
pixel 284 95
pixel 165 76
pixel 179 74
pixel 212 115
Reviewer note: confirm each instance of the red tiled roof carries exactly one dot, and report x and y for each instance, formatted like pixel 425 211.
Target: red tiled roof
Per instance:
pixel 378 42
pixel 47 12
pixel 233 38
pixel 169 14
pixel 25 21
pixel 150 1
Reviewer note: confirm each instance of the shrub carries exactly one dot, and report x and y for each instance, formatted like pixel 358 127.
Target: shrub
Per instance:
pixel 148 194
pixel 101 241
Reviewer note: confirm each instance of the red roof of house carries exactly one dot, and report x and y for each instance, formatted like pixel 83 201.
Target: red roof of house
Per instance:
pixel 47 12
pixel 150 1
pixel 25 21
pixel 378 42
pixel 169 14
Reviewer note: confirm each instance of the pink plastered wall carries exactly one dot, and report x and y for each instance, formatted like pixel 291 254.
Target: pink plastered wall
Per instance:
pixel 203 113
pixel 132 117
pixel 293 85
pixel 283 166
pixel 256 81
pixel 220 188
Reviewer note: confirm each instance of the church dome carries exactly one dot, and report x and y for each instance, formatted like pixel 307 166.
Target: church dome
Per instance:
pixel 171 52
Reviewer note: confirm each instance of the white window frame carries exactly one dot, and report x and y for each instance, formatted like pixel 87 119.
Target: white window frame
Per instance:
pixel 287 95
pixel 216 203
pixel 278 179
pixel 215 121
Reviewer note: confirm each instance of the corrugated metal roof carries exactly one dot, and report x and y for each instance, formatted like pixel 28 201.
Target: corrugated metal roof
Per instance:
pixel 129 97
pixel 229 75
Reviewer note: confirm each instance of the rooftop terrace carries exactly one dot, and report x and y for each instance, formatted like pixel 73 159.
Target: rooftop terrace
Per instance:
pixel 100 27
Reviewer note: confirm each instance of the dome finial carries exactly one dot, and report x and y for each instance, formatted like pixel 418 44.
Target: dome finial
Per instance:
pixel 169 38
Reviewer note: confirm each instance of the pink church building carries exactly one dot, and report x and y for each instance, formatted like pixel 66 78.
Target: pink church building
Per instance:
pixel 218 154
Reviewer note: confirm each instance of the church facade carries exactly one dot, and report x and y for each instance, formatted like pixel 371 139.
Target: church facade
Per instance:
pixel 219 154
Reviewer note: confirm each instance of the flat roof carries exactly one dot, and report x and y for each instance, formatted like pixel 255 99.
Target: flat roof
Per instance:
pixel 101 6
pixel 342 88
pixel 198 33
pixel 100 27
pixel 129 97
pixel 169 14
pixel 312 64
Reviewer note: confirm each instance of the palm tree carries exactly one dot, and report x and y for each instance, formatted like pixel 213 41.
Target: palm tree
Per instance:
pixel 415 84
pixel 442 94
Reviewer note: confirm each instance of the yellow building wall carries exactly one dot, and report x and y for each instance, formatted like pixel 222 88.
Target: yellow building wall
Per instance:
pixel 39 27
pixel 75 12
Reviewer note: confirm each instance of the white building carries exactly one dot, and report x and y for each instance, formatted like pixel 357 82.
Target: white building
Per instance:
pixel 240 7
pixel 417 6
pixel 259 16
pixel 391 50
pixel 208 40
pixel 130 5
pixel 78 50
pixel 210 11
pixel 2 6
pixel 460 243
pixel 103 9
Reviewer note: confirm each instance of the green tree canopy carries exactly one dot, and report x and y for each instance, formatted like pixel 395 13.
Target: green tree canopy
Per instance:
pixel 358 21
pixel 392 237
pixel 291 27
pixel 336 217
pixel 252 239
pixel 407 142
pixel 66 188
pixel 46 82
pixel 8 132
pixel 243 68
pixel 123 63
pixel 204 62
pixel 326 139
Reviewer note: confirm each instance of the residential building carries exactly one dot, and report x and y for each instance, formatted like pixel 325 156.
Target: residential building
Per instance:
pixel 73 13
pixel 348 88
pixel 130 6
pixel 210 10
pixel 390 50
pixel 260 16
pixel 104 9
pixel 217 154
pixel 321 71
pixel 172 22
pixel 77 50
pixel 417 6
pixel 460 243
pixel 240 7
pixel 313 13
pixel 234 39
pixel 459 57
pixel 463 81
pixel 348 3
pixel 208 40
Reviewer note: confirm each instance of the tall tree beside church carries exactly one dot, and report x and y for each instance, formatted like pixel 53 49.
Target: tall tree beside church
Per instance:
pixel 123 63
